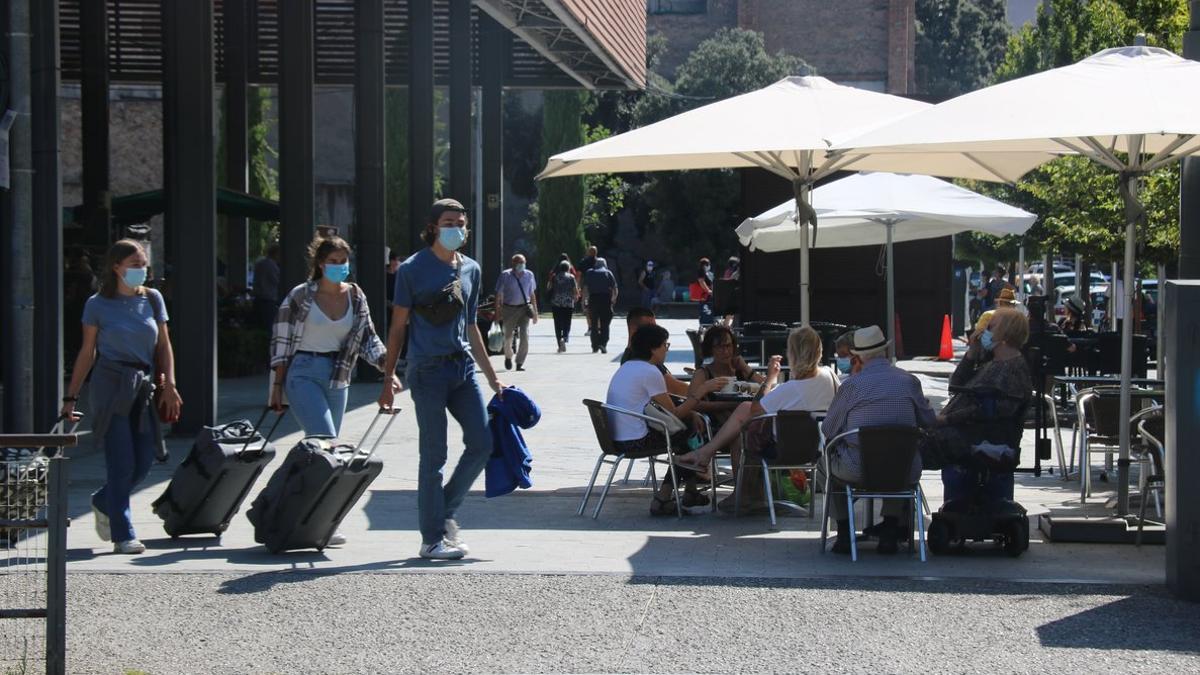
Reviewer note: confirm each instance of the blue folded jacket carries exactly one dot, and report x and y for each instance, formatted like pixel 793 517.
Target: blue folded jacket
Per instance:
pixel 510 464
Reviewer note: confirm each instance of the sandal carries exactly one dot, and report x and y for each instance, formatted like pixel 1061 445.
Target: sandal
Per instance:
pixel 663 507
pixel 695 498
pixel 698 468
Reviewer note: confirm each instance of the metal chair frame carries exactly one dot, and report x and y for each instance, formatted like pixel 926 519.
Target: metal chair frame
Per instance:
pixel 1153 480
pixel 610 455
pixel 915 494
pixel 1083 405
pixel 769 465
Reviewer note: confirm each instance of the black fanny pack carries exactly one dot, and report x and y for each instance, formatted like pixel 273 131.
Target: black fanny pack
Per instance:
pixel 445 305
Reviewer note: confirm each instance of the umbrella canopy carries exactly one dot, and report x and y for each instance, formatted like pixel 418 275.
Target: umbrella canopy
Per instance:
pixel 784 128
pixel 1132 109
pixel 142 206
pixel 884 208
pixel 853 209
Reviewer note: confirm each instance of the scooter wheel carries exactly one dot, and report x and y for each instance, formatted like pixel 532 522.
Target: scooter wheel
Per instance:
pixel 1016 539
pixel 938 536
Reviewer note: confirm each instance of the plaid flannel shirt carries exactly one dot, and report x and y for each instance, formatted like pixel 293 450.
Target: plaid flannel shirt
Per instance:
pixel 362 341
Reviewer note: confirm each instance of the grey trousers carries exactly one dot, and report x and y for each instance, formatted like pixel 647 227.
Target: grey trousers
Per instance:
pixel 515 320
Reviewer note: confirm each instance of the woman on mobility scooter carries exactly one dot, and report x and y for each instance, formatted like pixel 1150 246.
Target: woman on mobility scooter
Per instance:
pixel 977 440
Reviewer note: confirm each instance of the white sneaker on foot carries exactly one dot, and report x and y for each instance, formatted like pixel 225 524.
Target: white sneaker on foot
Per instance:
pixel 103 530
pixel 337 539
pixel 452 536
pixel 129 547
pixel 442 550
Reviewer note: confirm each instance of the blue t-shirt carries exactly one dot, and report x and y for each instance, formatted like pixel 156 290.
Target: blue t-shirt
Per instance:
pixel 419 281
pixel 128 325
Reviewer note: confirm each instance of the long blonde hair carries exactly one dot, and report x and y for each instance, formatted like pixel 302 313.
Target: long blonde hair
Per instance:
pixel 804 351
pixel 117 253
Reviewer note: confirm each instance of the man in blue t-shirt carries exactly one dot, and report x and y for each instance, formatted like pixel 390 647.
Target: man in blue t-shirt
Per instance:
pixel 435 299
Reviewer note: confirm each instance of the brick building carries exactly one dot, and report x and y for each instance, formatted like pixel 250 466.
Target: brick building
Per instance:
pixel 865 43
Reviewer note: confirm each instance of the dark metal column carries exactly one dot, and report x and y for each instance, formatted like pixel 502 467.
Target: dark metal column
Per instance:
pixel 16 313
pixel 296 189
pixel 494 45
pixel 237 174
pixel 97 201
pixel 47 219
pixel 460 101
pixel 369 200
pixel 420 118
pixel 189 178
pixel 1189 184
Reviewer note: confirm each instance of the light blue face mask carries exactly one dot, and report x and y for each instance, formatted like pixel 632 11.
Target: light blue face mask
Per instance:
pixel 134 276
pixel 452 238
pixel 843 365
pixel 987 341
pixel 519 268
pixel 337 273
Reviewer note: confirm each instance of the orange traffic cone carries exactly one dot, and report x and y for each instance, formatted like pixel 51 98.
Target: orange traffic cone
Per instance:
pixel 947 349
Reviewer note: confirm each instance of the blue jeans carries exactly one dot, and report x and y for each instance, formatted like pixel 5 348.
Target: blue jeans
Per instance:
pixel 437 386
pixel 128 454
pixel 317 406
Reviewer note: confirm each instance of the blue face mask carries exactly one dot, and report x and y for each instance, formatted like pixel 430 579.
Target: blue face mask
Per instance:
pixel 337 273
pixel 134 276
pixel 452 238
pixel 519 268
pixel 843 365
pixel 987 341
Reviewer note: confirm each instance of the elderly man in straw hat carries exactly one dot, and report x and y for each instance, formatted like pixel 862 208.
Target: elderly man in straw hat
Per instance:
pixel 879 394
pixel 1007 298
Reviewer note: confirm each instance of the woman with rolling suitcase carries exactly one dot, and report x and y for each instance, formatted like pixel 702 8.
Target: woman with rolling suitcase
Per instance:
pixel 322 328
pixel 125 338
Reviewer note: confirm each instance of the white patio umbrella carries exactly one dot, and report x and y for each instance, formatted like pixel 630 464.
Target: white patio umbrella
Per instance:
pixel 784 128
pixel 883 208
pixel 1132 109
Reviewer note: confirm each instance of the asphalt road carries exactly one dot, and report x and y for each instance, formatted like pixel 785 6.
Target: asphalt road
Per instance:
pixel 300 622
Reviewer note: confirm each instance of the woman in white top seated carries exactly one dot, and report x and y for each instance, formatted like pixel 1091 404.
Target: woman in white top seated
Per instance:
pixel 810 388
pixel 322 328
pixel 633 386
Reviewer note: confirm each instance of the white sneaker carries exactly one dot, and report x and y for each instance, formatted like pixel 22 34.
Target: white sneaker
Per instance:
pixel 452 536
pixel 337 539
pixel 442 550
pixel 103 530
pixel 130 547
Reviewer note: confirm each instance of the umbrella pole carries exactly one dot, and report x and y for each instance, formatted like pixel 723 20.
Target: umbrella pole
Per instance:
pixel 1131 199
pixel 891 292
pixel 800 192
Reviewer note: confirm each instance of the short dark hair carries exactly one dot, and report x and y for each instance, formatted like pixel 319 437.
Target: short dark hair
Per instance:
pixel 394 256
pixel 646 339
pixel 636 314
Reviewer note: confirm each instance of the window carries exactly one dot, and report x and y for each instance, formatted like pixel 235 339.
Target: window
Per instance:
pixel 676 6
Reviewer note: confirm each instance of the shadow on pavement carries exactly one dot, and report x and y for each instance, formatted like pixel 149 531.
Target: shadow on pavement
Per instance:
pixel 1146 621
pixel 260 582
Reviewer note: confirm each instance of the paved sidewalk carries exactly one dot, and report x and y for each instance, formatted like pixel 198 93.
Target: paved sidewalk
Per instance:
pixel 548 591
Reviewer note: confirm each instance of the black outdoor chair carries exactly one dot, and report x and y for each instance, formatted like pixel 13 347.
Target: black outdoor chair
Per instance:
pixel 1099 424
pixel 797 446
pixel 1152 431
pixel 609 454
pixel 887 453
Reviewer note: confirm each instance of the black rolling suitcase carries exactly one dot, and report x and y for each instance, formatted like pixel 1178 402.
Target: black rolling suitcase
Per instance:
pixel 317 484
pixel 210 485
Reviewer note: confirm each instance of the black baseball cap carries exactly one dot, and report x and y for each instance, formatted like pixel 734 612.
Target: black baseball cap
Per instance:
pixel 443 205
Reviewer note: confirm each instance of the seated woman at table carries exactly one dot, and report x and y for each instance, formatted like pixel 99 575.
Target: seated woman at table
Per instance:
pixel 719 347
pixel 997 376
pixel 636 383
pixel 810 387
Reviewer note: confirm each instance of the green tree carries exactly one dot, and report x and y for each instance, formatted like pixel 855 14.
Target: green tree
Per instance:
pixel 959 45
pixel 560 203
pixel 1077 201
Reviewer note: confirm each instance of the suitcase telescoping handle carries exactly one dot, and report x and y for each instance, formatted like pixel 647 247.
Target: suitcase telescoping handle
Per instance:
pixel 389 413
pixel 267 438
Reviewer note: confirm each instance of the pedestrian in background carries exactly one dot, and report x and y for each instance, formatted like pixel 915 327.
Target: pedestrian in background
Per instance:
pixel 564 293
pixel 701 291
pixel 266 286
pixel 437 295
pixel 585 265
pixel 125 337
pixel 647 283
pixel 602 299
pixel 516 297
pixel 394 260
pixel 732 269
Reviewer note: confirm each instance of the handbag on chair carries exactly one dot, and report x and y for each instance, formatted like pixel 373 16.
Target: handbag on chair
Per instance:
pixel 674 424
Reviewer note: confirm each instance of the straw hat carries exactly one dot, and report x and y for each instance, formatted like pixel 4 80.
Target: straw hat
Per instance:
pixel 1007 297
pixel 868 339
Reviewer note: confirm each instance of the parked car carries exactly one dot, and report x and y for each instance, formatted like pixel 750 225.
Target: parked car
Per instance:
pixel 1068 278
